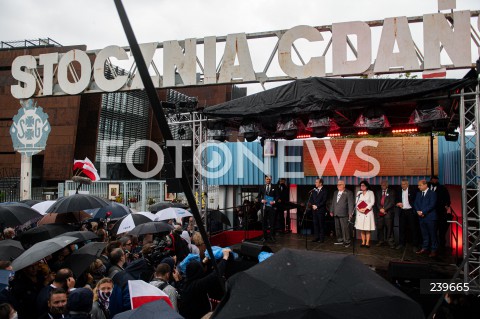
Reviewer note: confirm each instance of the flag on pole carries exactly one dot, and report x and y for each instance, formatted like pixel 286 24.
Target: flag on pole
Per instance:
pixel 142 292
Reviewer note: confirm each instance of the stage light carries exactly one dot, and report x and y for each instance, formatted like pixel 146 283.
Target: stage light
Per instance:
pixel 319 126
pixel 362 133
pixel 334 134
pixel 303 136
pixel 373 121
pixel 216 131
pixel 405 131
pixel 249 131
pixel 289 128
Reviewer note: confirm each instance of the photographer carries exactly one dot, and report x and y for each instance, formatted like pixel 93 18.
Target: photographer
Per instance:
pixel 198 285
pixel 161 281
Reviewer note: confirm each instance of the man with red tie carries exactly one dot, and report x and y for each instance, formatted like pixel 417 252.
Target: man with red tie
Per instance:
pixel 385 214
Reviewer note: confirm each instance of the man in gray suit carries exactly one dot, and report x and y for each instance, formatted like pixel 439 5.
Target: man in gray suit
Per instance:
pixel 342 209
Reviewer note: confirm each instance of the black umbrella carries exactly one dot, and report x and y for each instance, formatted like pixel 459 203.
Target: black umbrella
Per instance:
pixel 150 310
pixel 64 218
pixel 81 235
pixel 10 249
pixel 151 228
pixel 218 216
pixel 115 210
pixel 306 284
pixel 43 232
pixel 41 250
pixel 81 259
pixel 30 202
pixel 159 206
pixel 77 202
pixel 12 215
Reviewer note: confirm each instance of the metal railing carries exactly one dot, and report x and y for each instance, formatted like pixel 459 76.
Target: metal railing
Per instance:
pixel 136 194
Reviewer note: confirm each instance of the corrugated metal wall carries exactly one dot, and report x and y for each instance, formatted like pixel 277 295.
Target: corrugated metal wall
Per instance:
pixel 247 166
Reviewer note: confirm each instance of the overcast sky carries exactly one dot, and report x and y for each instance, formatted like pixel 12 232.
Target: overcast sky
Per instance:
pixel 96 24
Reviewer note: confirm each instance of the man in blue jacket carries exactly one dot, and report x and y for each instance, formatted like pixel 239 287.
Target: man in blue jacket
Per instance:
pixel 424 205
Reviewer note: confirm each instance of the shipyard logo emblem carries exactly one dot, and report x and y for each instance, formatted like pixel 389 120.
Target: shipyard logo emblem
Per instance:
pixel 30 129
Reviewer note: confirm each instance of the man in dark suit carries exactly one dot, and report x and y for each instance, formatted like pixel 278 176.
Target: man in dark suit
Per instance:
pixel 268 195
pixel 443 204
pixel 425 206
pixel 385 214
pixel 318 202
pixel 407 217
pixel 342 209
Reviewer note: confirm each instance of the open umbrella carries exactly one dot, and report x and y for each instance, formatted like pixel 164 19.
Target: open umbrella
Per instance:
pixel 81 259
pixel 43 232
pixel 42 207
pixel 117 210
pixel 218 216
pixel 12 215
pixel 151 228
pixel 150 310
pixel 41 250
pixel 81 235
pixel 172 213
pixel 306 284
pixel 129 222
pixel 64 218
pixel 159 206
pixel 30 202
pixel 77 202
pixel 10 249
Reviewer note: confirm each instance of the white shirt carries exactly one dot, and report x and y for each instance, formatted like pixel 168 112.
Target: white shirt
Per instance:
pixel 339 195
pixel 405 203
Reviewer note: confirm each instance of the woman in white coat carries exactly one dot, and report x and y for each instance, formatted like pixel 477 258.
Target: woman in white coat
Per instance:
pixel 364 219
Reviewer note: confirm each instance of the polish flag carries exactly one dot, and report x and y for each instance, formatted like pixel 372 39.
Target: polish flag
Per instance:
pixel 142 292
pixel 91 172
pixel 77 164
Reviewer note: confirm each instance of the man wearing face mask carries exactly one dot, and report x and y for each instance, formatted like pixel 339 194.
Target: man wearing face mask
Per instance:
pixel 57 304
pixel 63 279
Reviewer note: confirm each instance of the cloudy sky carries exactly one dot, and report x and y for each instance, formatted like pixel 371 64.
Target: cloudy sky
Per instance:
pixel 96 24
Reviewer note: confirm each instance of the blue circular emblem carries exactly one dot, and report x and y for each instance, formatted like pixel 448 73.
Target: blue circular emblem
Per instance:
pixel 30 129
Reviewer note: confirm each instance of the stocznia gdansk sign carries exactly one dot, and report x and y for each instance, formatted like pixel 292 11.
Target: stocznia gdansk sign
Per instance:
pixel 396 52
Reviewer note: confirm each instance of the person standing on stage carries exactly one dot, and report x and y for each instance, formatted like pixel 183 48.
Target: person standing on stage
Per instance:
pixel 407 217
pixel 425 206
pixel 364 220
pixel 318 202
pixel 342 209
pixel 268 196
pixel 385 214
pixel 442 206
pixel 283 197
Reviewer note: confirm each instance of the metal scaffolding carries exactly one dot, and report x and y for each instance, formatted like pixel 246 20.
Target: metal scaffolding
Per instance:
pixel 197 123
pixel 470 173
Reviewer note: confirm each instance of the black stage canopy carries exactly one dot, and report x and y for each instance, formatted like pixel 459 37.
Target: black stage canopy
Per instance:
pixel 344 100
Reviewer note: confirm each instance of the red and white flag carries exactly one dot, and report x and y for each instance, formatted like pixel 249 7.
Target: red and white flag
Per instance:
pixel 435 74
pixel 142 292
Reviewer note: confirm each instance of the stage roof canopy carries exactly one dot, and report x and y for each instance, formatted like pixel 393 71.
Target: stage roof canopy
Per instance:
pixel 344 100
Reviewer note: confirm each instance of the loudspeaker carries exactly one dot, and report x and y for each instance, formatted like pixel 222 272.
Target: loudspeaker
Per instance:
pixel 451 136
pixel 408 270
pixel 251 250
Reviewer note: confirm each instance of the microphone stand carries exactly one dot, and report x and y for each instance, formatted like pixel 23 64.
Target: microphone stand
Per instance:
pixel 302 223
pixel 354 230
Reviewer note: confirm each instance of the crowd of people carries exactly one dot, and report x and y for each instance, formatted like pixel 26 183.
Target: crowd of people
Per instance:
pixel 48 289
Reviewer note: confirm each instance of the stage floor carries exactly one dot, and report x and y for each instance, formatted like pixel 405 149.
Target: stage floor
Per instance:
pixel 377 258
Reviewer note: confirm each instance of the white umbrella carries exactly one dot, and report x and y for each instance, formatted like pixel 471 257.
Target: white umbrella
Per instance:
pixel 172 213
pixel 129 222
pixel 147 214
pixel 43 206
